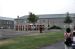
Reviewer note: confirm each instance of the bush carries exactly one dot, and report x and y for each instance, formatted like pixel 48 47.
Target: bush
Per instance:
pixel 54 27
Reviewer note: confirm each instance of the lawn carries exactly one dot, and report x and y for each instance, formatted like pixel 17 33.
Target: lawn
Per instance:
pixel 32 41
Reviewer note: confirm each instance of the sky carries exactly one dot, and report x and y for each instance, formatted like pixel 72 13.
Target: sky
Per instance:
pixel 14 8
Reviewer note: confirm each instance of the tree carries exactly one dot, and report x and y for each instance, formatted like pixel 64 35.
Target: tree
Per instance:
pixel 48 23
pixel 68 19
pixel 32 18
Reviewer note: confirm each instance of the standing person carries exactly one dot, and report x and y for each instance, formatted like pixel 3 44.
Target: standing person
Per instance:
pixel 40 28
pixel 68 40
pixel 73 38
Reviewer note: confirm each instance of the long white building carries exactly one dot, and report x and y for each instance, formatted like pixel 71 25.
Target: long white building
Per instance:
pixel 46 19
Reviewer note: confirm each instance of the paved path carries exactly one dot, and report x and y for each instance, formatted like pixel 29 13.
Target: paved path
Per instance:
pixel 8 33
pixel 59 45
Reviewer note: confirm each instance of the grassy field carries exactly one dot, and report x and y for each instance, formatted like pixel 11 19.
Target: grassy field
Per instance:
pixel 32 41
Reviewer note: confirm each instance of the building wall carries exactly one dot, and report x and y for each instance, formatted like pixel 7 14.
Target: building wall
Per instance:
pixel 58 21
pixel 55 21
pixel 6 24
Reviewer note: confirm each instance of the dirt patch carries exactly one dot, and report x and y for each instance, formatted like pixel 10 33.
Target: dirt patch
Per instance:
pixel 6 42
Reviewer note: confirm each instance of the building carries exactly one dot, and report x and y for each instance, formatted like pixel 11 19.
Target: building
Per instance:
pixel 46 19
pixel 6 23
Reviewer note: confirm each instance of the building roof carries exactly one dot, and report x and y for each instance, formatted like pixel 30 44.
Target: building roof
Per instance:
pixel 49 16
pixel 5 18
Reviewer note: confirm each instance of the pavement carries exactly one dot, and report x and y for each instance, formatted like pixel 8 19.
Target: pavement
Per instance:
pixel 8 33
pixel 58 45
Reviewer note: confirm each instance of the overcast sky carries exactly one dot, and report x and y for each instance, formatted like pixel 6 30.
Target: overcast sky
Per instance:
pixel 13 8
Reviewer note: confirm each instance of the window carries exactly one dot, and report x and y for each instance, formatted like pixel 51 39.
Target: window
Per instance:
pixel 7 22
pixel 44 20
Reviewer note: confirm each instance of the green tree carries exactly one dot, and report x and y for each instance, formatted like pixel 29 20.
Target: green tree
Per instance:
pixel 68 19
pixel 32 18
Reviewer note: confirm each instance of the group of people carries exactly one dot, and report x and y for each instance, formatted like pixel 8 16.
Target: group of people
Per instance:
pixel 69 38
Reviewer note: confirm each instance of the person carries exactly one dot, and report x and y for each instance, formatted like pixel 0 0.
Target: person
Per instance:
pixel 73 38
pixel 40 28
pixel 68 40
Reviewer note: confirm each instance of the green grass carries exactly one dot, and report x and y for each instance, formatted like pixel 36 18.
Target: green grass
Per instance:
pixel 32 41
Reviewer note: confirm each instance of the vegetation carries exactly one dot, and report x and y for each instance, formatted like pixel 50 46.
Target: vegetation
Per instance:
pixel 32 41
pixel 32 18
pixel 54 27
pixel 68 19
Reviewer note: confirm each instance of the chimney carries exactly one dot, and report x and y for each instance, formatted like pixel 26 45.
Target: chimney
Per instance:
pixel 18 17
